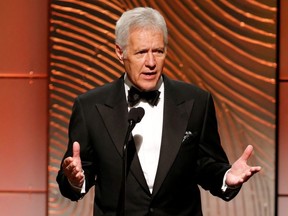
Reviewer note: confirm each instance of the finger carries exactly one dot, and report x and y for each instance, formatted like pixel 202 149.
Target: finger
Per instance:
pixel 76 150
pixel 69 169
pixel 67 161
pixel 256 169
pixel 68 172
pixel 75 172
pixel 77 177
pixel 247 153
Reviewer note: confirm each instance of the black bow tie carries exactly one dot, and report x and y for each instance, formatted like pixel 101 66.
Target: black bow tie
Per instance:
pixel 134 96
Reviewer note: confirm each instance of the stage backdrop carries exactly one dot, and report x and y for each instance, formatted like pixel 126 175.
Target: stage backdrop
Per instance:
pixel 225 47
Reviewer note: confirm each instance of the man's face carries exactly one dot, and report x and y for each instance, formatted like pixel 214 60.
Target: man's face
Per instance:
pixel 144 58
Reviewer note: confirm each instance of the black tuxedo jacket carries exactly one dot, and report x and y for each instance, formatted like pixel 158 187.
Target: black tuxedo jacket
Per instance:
pixel 191 153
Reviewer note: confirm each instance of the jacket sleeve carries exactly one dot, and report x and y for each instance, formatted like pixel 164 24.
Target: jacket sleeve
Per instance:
pixel 78 132
pixel 212 162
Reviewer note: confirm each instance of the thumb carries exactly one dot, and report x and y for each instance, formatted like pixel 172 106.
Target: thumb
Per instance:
pixel 76 150
pixel 247 153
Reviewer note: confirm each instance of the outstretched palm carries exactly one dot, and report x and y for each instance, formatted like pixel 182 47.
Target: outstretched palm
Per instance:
pixel 240 171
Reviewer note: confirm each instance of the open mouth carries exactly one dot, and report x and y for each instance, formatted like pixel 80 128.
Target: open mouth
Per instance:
pixel 149 73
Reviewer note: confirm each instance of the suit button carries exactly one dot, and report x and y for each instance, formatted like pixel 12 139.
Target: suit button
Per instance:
pixel 151 210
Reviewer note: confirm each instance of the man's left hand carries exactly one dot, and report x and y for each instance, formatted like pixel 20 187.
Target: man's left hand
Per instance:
pixel 240 171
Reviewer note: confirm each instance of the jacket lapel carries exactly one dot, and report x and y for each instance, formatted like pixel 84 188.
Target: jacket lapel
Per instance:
pixel 176 116
pixel 114 113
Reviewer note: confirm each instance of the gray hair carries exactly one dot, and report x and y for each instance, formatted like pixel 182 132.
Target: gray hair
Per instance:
pixel 139 17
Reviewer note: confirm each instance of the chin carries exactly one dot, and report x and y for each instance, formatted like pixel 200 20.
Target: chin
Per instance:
pixel 148 85
pixel 149 88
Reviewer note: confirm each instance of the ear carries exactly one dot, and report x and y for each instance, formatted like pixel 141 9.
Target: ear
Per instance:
pixel 119 53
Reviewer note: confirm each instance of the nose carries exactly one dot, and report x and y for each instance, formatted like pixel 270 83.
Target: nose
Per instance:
pixel 150 60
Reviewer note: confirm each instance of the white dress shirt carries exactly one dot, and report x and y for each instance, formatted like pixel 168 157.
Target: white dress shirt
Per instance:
pixel 147 134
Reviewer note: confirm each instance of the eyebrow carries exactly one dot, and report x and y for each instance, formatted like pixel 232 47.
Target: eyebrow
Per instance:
pixel 146 49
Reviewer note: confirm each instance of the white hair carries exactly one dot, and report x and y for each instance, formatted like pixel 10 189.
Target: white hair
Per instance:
pixel 139 17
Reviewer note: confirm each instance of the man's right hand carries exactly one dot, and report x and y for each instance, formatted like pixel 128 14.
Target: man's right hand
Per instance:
pixel 72 167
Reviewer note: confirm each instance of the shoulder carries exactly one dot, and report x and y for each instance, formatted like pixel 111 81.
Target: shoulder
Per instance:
pixel 184 89
pixel 101 93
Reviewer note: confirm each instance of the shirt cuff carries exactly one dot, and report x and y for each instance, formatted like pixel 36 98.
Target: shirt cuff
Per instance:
pixel 225 186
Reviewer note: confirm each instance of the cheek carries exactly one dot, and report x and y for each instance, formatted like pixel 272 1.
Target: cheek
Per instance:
pixel 135 68
pixel 161 63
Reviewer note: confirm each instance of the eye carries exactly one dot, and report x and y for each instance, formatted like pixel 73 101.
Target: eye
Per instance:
pixel 141 52
pixel 158 52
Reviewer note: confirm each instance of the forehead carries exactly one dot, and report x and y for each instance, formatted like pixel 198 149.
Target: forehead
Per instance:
pixel 146 37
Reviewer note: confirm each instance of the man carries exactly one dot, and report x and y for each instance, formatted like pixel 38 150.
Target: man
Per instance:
pixel 175 147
